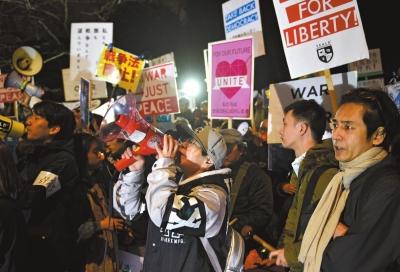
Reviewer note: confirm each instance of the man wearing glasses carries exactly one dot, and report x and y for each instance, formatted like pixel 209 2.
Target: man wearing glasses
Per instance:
pixel 355 226
pixel 304 124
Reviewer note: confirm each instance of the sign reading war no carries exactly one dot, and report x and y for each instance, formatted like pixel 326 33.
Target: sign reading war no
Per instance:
pixel 157 92
pixel 231 79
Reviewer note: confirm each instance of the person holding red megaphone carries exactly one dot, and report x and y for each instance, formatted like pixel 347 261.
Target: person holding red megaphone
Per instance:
pixel 123 121
pixel 187 201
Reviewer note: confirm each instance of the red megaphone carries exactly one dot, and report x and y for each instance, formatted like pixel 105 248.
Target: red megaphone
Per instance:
pixel 123 121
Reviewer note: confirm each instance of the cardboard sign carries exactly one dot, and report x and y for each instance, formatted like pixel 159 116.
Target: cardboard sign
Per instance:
pixel 285 93
pixel 157 93
pixel 71 87
pixel 84 95
pixel 231 79
pixel 320 34
pixel 10 95
pixel 169 57
pixel 87 40
pixel 368 67
pixel 2 80
pixel 120 67
pixel 243 19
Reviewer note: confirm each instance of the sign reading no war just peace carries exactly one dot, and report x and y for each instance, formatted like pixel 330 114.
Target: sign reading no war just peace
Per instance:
pixel 284 93
pixel 230 83
pixel 320 34
pixel 157 92
pixel 120 67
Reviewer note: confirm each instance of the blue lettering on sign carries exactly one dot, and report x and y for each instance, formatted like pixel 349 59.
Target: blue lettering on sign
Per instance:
pixel 241 22
pixel 240 11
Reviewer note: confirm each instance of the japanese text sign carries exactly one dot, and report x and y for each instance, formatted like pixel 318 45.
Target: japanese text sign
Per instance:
pixel 120 67
pixel 87 40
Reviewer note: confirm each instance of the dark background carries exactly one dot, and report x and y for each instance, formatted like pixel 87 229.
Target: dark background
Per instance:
pixel 153 28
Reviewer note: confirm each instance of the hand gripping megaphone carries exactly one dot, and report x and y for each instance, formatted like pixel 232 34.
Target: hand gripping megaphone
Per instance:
pixel 123 121
pixel 11 128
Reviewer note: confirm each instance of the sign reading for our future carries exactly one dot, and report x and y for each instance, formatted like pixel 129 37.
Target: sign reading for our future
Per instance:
pixel 242 18
pixel 231 79
pixel 120 67
pixel 284 93
pixel 157 92
pixel 320 34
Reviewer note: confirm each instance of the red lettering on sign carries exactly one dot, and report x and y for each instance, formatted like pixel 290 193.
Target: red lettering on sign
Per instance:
pixel 309 8
pixel 321 27
pixel 158 106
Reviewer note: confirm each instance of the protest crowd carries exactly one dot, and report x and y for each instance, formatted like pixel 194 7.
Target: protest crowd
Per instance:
pixel 140 178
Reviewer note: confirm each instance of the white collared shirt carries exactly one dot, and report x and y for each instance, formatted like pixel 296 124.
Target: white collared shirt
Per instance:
pixel 296 163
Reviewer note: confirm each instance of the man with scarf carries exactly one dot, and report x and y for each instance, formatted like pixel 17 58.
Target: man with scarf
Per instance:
pixel 355 226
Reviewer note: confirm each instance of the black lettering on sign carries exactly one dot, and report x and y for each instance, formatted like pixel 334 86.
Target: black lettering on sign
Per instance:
pixel 312 91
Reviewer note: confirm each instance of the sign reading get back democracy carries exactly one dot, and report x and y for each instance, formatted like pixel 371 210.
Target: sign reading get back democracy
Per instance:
pixel 320 34
pixel 242 18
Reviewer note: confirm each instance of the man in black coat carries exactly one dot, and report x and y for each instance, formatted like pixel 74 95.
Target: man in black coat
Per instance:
pixel 355 226
pixel 49 172
pixel 252 199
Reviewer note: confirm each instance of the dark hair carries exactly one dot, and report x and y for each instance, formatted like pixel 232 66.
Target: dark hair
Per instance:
pixel 380 111
pixel 9 179
pixel 312 113
pixel 57 115
pixel 82 142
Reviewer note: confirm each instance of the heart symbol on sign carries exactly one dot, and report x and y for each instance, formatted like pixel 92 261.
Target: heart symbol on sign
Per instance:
pixel 225 69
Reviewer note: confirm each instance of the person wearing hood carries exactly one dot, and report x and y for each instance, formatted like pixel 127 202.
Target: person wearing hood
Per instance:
pixel 49 173
pixel 304 124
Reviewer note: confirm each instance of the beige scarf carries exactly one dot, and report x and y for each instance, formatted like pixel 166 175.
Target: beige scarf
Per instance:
pixel 323 222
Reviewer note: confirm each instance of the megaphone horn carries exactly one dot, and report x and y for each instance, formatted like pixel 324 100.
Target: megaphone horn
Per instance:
pixel 123 121
pixel 14 80
pixel 11 128
pixel 27 61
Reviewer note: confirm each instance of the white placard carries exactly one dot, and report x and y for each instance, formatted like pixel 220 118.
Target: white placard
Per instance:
pixel 320 34
pixel 49 180
pixel 157 93
pixel 169 57
pixel 87 41
pixel 71 87
pixel 368 67
pixel 285 93
pixel 243 18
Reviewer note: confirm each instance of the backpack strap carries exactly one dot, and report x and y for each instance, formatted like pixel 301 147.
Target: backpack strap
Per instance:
pixel 236 185
pixel 301 225
pixel 211 254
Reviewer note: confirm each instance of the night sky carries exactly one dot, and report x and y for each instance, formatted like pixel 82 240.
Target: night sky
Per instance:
pixel 144 30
